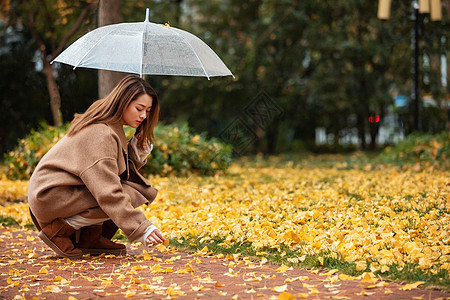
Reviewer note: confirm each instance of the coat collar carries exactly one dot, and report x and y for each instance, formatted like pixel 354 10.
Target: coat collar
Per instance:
pixel 118 129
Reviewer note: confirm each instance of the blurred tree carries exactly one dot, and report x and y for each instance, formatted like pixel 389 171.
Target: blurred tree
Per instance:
pixel 22 88
pixel 360 60
pixel 434 47
pixel 261 43
pixel 109 12
pixel 52 24
pixel 324 64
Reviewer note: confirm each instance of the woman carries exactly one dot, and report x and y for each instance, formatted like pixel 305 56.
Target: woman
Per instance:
pixel 88 184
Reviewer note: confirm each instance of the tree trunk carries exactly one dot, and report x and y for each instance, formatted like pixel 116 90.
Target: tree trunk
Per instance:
pixel 272 136
pixel 177 8
pixel 361 131
pixel 374 129
pixel 108 13
pixel 53 90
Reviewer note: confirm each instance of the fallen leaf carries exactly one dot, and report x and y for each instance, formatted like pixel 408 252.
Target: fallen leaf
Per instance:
pixel 361 265
pixel 329 273
pixel 346 277
pixel 368 278
pixel 408 287
pixel 286 296
pixel 280 289
pixel 284 268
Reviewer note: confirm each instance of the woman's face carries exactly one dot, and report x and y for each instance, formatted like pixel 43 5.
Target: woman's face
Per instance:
pixel 137 111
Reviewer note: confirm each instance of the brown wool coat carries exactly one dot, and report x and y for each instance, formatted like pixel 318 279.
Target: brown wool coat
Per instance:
pixel 92 174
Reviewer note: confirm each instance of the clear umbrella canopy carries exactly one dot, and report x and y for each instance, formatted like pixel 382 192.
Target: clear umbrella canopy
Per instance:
pixel 144 48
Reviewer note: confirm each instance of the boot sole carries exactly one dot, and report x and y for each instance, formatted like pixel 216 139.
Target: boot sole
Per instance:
pixel 56 248
pixel 105 251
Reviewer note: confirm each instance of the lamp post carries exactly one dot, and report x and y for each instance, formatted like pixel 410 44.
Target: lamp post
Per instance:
pixel 416 67
pixel 419 6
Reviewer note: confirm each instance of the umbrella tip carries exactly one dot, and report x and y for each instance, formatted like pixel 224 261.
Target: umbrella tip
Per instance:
pixel 147 13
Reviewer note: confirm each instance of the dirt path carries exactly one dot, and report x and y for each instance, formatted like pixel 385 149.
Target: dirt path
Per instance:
pixel 29 269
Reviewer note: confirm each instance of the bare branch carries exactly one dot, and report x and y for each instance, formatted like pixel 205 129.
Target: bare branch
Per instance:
pixel 73 30
pixel 277 22
pixel 50 23
pixel 31 24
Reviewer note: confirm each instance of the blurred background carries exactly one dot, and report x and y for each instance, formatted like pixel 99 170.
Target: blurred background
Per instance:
pixel 323 76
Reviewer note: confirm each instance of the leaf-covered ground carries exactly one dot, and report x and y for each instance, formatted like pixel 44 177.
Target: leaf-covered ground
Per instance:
pixel 29 270
pixel 389 222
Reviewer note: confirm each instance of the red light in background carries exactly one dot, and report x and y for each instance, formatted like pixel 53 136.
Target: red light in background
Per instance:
pixel 374 119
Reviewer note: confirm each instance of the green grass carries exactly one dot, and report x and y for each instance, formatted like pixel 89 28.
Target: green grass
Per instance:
pixel 8 221
pixel 289 257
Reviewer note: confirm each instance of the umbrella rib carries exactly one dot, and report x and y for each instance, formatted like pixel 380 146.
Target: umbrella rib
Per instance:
pixel 142 54
pixel 93 47
pixel 195 53
pixel 141 68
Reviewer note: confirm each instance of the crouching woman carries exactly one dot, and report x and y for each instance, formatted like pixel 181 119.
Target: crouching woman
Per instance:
pixel 88 185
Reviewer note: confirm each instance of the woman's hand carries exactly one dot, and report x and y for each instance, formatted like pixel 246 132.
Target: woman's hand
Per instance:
pixel 155 237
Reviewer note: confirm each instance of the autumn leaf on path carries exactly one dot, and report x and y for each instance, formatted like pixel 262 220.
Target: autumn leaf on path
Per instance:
pixel 286 296
pixel 410 286
pixel 284 268
pixel 280 289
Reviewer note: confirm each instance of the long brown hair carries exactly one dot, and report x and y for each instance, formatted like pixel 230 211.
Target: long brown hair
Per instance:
pixel 112 107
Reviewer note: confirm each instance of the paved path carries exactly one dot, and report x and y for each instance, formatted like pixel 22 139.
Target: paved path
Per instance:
pixel 29 269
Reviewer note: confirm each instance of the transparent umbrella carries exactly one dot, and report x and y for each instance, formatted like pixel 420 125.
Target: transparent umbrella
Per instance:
pixel 144 48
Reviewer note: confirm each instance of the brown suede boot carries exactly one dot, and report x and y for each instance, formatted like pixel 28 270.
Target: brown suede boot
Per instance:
pixel 92 242
pixel 57 236
pixel 109 229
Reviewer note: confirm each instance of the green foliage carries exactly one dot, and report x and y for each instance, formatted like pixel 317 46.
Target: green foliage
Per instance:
pixel 425 149
pixel 8 221
pixel 177 152
pixel 23 96
pixel 326 64
pixel 22 160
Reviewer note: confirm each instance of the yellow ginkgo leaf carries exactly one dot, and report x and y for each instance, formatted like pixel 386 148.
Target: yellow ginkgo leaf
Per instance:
pixel 368 278
pixel 106 283
pixel 53 289
pixel 130 294
pixel 197 288
pixel 329 273
pixel 284 268
pixel 286 296
pixel 173 292
pixel 346 277
pixel 280 289
pixel 121 277
pixel 384 269
pixel 410 286
pixel 361 265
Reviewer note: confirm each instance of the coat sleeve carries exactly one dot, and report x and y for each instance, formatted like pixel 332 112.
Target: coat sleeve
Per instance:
pixel 102 180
